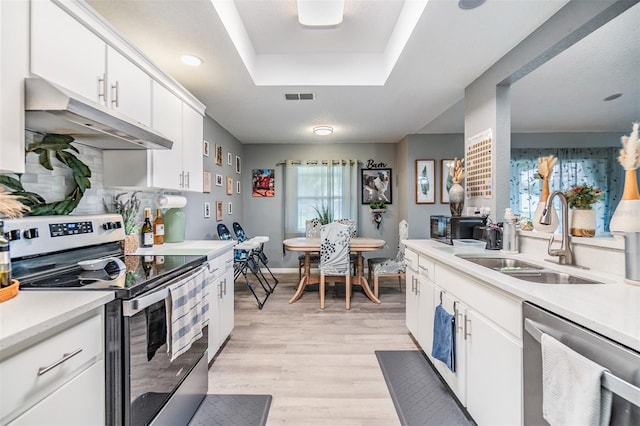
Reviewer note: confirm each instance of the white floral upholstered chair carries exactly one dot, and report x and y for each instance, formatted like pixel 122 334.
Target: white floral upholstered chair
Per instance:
pixel 385 267
pixel 312 230
pixel 335 241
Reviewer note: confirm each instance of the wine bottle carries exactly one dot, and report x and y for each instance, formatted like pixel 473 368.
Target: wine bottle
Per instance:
pixel 147 230
pixel 158 228
pixel 5 259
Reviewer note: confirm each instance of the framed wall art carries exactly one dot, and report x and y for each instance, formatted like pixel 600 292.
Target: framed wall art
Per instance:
pixel 207 210
pixel 445 180
pixel 205 148
pixel 376 186
pixel 218 155
pixel 237 187
pixel 229 159
pixel 238 164
pixel 263 181
pixel 425 182
pixel 229 185
pixel 206 181
pixel 219 211
pixel 229 208
pixel 218 180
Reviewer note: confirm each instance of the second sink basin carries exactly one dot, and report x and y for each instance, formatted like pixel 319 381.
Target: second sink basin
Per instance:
pixel 552 277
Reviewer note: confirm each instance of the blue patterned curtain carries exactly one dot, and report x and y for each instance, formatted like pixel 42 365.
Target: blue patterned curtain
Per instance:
pixel 576 166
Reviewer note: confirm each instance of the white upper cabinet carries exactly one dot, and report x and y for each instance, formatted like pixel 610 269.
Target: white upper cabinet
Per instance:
pixel 67 53
pixel 14 67
pixel 192 135
pixel 167 119
pixel 129 88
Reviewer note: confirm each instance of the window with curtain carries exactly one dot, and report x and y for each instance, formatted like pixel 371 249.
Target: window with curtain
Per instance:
pixel 576 166
pixel 323 185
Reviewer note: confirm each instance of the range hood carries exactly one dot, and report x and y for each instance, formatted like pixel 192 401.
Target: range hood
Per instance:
pixel 50 108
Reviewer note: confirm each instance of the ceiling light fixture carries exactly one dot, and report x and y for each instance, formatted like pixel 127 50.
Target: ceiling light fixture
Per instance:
pixel 320 13
pixel 469 4
pixel 323 130
pixel 612 97
pixel 191 60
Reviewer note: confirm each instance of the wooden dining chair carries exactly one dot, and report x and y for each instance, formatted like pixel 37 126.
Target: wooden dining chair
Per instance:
pixel 335 241
pixel 387 267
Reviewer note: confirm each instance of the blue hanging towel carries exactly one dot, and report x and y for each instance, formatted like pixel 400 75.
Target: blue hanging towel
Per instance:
pixel 444 344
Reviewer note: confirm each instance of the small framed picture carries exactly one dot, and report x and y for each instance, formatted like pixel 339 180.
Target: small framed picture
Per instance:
pixel 205 148
pixel 376 185
pixel 219 211
pixel 446 180
pixel 263 183
pixel 206 181
pixel 229 185
pixel 237 187
pixel 238 164
pixel 207 210
pixel 425 182
pixel 229 208
pixel 229 159
pixel 218 155
pixel 218 180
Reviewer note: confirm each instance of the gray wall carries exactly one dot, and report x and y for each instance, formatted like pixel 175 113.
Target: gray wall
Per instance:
pixel 264 215
pixel 567 140
pixel 198 227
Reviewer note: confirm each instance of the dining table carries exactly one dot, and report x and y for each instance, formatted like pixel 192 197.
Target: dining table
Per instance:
pixel 309 245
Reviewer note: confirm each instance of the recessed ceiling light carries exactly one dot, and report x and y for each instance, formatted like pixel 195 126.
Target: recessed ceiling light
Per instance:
pixel 320 13
pixel 323 130
pixel 191 60
pixel 469 4
pixel 612 97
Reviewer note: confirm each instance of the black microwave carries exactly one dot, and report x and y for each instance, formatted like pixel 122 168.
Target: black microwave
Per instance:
pixel 447 228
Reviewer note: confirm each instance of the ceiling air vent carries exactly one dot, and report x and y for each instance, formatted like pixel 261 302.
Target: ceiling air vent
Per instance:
pixel 300 96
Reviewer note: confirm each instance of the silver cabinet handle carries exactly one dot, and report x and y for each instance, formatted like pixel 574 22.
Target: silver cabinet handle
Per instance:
pixel 102 88
pixel 467 327
pixel 413 285
pixel 225 286
pixel 417 287
pixel 65 357
pixel 459 326
pixel 220 290
pixel 187 180
pixel 115 89
pixel 181 179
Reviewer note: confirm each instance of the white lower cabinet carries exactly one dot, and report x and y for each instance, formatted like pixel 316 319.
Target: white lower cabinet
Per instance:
pixel 488 376
pixel 59 379
pixel 221 299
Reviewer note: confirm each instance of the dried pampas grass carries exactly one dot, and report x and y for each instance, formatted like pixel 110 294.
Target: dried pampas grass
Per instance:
pixel 10 205
pixel 630 153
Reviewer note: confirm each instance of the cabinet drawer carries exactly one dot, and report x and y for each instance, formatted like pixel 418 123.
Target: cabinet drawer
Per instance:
pixel 226 261
pixel 214 269
pixel 427 268
pixel 411 258
pixel 24 378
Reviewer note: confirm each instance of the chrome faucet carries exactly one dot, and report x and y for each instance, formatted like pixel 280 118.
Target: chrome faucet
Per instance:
pixel 564 253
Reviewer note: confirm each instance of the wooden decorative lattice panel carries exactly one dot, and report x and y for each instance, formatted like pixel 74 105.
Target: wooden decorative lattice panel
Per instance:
pixel 479 173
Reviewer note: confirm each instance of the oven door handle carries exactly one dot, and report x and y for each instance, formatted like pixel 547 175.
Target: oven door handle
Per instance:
pixel 133 306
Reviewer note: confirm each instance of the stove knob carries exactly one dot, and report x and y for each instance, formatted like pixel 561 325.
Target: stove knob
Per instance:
pixel 108 225
pixel 12 235
pixel 118 225
pixel 31 233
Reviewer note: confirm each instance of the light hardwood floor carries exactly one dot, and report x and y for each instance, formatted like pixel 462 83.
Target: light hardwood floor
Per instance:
pixel 319 366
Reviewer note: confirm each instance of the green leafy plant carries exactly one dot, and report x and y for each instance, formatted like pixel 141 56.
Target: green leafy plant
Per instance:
pixel 128 209
pixel 60 146
pixel 325 215
pixel 374 205
pixel 583 196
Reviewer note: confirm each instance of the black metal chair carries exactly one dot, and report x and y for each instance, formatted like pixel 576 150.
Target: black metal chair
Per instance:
pixel 258 254
pixel 242 261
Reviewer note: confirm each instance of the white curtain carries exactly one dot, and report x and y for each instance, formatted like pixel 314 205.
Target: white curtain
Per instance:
pixel 323 185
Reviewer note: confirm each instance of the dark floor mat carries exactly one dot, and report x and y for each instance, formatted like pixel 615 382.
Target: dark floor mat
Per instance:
pixel 418 394
pixel 232 410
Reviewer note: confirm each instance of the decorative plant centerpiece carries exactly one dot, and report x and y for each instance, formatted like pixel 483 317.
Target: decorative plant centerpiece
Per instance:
pixel 377 208
pixel 545 168
pixel 325 215
pixel 626 218
pixel 129 210
pixel 581 199
pixel 456 192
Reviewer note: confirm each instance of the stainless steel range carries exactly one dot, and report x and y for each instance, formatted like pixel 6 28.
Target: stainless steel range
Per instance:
pixel 83 253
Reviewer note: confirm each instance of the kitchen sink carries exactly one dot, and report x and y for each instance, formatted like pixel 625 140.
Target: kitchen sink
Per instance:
pixel 502 264
pixel 526 271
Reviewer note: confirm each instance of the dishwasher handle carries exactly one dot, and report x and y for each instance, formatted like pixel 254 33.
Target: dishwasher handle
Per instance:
pixel 624 389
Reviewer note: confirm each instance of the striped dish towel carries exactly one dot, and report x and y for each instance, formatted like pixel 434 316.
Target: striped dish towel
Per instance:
pixel 187 313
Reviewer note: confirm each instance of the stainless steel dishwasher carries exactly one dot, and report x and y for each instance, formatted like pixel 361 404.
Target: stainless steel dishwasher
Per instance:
pixel 622 362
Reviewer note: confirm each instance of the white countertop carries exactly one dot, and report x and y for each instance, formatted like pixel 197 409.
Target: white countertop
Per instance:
pixel 209 248
pixel 33 312
pixel 611 309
